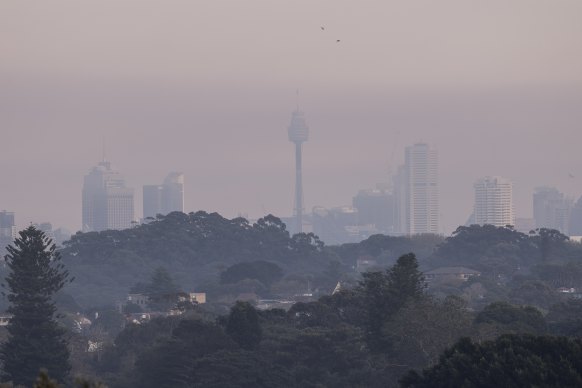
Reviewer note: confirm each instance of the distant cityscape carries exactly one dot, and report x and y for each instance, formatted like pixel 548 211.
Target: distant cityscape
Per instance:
pixel 406 204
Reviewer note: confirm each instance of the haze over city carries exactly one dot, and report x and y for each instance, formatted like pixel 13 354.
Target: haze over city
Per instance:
pixel 291 194
pixel 208 89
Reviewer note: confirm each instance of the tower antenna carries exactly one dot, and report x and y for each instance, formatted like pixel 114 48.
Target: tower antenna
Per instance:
pixel 297 97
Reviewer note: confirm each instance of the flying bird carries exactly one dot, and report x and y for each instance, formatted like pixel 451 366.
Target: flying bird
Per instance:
pixel 570 175
pixel 337 41
pixel 322 28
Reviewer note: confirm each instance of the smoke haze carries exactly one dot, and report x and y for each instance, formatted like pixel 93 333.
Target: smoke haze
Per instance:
pixel 207 88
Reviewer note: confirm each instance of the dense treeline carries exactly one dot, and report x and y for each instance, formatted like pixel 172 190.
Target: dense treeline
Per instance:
pixel 206 252
pixel 368 336
pixel 510 361
pixel 379 326
pixel 195 248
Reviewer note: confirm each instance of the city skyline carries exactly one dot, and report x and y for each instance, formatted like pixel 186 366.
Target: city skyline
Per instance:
pixel 398 229
pixel 504 102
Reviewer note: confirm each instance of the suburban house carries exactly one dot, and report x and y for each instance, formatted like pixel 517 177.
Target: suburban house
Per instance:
pixel 365 263
pixel 445 273
pixel 5 319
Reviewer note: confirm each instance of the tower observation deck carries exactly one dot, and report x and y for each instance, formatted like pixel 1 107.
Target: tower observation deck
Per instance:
pixel 298 134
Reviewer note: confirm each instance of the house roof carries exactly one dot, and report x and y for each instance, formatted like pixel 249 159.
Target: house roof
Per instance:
pixel 453 271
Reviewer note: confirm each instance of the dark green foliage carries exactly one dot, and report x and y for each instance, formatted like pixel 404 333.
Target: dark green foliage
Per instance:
pixel 387 249
pixel 131 308
pixel 566 318
pixel 263 271
pixel 385 293
pixel 328 355
pixel 306 244
pixel 66 303
pixel 549 241
pixel 238 369
pixel 366 335
pixel 314 314
pixel 560 275
pixel 243 325
pixel 327 343
pixel 509 361
pixel 406 281
pixel 109 319
pixel 35 339
pixel 161 283
pixel 495 251
pixel 193 247
pixel 133 341
pixel 323 356
pixel 171 362
pixel 44 381
pixel 512 319
pixel 534 293
pixel 420 331
pixel 161 290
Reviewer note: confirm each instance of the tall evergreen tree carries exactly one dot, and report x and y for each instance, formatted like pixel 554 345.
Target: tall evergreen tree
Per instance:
pixel 35 339
pixel 387 292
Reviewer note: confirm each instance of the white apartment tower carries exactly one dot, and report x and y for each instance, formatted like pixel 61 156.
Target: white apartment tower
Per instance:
pixel 107 202
pixel 417 191
pixel 494 202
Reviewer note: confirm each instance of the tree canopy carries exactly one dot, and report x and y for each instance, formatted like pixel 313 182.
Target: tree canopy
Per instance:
pixel 35 339
pixel 509 361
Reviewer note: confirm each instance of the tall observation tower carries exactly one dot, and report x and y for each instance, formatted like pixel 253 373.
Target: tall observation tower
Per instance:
pixel 298 133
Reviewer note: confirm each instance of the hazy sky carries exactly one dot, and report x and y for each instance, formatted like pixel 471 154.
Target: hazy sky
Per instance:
pixel 207 88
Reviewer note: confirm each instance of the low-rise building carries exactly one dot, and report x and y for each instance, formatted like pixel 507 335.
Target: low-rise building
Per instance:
pixel 365 263
pixel 5 319
pixel 444 273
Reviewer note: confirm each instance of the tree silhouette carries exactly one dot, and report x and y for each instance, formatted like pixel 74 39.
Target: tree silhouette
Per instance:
pixel 243 325
pixel 35 339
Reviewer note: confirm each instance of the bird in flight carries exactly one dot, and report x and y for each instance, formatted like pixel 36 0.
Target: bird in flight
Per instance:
pixel 571 175
pixel 322 28
pixel 337 41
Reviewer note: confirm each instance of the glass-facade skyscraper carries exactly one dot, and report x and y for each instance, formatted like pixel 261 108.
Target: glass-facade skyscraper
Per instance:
pixel 107 202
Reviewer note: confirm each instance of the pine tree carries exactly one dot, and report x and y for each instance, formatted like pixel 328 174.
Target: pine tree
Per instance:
pixel 387 292
pixel 35 341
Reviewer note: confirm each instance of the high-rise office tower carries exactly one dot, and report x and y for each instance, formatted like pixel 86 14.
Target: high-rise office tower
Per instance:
pixel 165 198
pixel 107 202
pixel 7 230
pixel 298 134
pixel 416 191
pixel 173 193
pixel 399 183
pixel 551 209
pixel 493 202
pixel 152 201
pixel 575 226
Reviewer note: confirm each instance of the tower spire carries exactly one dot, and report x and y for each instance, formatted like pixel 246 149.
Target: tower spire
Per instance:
pixel 298 134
